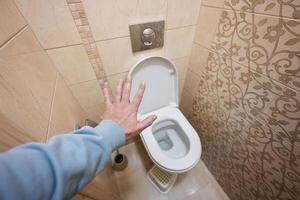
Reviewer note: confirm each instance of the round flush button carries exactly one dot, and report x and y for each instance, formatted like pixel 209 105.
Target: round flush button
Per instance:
pixel 148 36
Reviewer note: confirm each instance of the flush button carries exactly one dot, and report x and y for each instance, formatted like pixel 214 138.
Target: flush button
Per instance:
pixel 148 36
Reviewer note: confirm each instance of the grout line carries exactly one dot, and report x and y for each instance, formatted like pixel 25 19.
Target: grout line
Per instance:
pixel 82 82
pixel 117 37
pixel 180 27
pixel 64 46
pixel 95 79
pixel 259 14
pixel 51 107
pixel 109 39
pixel 36 38
pixel 6 42
pixel 59 74
pixel 179 58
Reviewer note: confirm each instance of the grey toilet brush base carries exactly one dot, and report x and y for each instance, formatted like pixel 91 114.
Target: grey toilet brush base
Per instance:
pixel 120 162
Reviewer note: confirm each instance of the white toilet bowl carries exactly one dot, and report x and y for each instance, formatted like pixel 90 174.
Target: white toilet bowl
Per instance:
pixel 171 141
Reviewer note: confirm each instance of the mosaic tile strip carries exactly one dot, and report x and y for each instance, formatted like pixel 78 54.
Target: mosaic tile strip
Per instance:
pixel 80 19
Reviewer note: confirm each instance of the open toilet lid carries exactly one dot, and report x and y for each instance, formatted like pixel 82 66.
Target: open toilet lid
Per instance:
pixel 160 77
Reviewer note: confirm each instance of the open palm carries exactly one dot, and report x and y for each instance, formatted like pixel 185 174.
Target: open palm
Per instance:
pixel 120 110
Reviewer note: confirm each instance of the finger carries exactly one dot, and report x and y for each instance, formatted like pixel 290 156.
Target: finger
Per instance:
pixel 146 122
pixel 119 90
pixel 126 90
pixel 107 94
pixel 139 95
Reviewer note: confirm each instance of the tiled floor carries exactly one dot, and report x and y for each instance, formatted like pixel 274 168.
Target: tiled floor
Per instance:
pixel 196 184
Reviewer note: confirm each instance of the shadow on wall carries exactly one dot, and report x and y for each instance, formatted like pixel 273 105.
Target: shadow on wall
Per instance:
pixel 246 106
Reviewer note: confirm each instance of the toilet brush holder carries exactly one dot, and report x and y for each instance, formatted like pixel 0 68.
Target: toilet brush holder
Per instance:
pixel 120 162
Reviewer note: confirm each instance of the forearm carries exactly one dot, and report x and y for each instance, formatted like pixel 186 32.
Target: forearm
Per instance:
pixel 60 168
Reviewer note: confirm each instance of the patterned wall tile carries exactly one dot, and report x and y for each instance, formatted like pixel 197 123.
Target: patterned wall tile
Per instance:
pixel 276 49
pixel 278 8
pixel 246 103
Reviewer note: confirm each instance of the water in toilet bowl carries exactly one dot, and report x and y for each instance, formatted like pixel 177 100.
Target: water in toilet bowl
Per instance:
pixel 170 138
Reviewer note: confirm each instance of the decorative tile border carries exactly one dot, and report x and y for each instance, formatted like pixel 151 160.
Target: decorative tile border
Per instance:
pixel 80 19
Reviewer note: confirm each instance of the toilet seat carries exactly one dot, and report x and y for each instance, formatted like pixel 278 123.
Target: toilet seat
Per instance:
pixel 175 165
pixel 161 99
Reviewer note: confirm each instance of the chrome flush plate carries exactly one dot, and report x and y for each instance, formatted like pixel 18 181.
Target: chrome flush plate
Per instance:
pixel 147 35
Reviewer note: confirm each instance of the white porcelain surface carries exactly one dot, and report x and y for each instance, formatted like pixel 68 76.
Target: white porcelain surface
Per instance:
pixel 160 76
pixel 179 150
pixel 176 165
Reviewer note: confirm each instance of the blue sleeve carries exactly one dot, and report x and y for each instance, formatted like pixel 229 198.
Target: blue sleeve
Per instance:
pixel 60 168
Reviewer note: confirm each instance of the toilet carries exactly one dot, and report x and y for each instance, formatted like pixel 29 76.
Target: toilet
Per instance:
pixel 171 141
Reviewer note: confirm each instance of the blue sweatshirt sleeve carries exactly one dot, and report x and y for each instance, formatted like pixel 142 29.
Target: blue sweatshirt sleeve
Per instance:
pixel 60 168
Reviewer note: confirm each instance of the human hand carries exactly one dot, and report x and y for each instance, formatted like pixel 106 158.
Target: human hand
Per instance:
pixel 120 110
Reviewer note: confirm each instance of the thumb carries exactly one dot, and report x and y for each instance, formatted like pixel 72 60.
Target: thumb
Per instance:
pixel 146 122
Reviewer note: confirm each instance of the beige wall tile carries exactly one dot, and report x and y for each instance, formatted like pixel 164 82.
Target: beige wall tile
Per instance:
pixel 11 21
pixel 87 93
pixel 95 113
pixel 207 24
pixel 117 56
pixel 181 85
pixel 72 62
pixel 181 66
pixel 51 21
pixel 186 102
pixel 199 59
pixel 178 42
pixel 114 80
pixel 238 100
pixel 21 43
pixel 288 9
pixel 182 13
pixel 234 36
pixel 27 86
pixel 111 18
pixel 215 3
pixel 275 51
pixel 10 135
pixel 66 112
pixel 191 81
